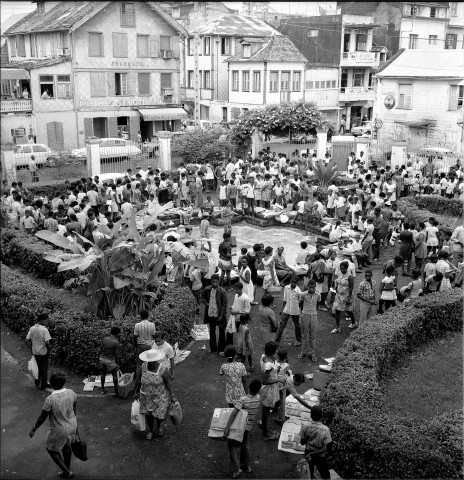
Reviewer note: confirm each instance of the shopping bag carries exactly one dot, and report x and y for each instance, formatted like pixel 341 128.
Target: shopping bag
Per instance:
pixel 33 368
pixel 126 384
pixel 79 447
pixel 137 418
pixel 175 412
pixel 233 241
pixel 231 325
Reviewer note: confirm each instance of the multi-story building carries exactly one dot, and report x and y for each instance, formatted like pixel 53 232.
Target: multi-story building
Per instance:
pixel 265 71
pixel 218 40
pixel 344 42
pixel 432 25
pixel 103 69
pixel 419 99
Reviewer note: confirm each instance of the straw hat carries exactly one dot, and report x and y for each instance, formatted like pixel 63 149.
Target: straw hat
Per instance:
pixel 151 355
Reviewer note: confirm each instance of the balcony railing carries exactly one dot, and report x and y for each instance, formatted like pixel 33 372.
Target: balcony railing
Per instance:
pixel 23 105
pixel 348 94
pixel 358 59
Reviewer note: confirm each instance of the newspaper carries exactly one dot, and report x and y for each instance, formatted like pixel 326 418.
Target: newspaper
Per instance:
pixel 200 332
pixel 179 355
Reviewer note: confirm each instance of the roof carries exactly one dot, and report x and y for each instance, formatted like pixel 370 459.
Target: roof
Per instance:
pixel 236 25
pixel 379 48
pixel 424 63
pixel 10 21
pixel 38 63
pixel 66 15
pixel 277 49
pixel 254 40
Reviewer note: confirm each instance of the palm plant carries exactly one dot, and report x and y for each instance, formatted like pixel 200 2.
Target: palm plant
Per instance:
pixel 325 174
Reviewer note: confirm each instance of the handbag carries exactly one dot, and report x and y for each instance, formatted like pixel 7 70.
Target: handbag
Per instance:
pixel 79 447
pixel 33 368
pixel 175 413
pixel 231 325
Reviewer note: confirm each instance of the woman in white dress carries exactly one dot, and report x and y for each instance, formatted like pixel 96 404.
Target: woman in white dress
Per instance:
pixel 443 267
pixel 432 237
pixel 244 274
pixel 209 177
pixel 268 265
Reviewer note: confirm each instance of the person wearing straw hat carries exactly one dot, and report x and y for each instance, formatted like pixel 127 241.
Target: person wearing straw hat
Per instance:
pixel 153 389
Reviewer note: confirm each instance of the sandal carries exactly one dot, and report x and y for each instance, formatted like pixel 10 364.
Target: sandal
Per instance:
pixel 274 436
pixel 353 325
pixel 149 435
pixel 335 330
pixel 237 474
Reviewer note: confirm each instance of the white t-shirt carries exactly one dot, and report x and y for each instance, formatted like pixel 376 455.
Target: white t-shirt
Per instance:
pixel 301 206
pixel 168 353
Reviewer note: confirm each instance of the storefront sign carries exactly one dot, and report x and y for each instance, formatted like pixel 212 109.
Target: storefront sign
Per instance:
pixel 119 102
pixel 119 63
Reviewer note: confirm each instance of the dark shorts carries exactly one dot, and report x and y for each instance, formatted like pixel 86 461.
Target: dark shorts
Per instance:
pixel 107 365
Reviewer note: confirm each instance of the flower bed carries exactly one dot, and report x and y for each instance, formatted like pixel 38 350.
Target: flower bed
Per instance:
pixel 369 443
pixel 76 335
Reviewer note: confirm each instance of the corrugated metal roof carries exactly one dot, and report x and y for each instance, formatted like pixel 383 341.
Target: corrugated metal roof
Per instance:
pixel 425 63
pixel 277 49
pixel 236 25
pixel 39 63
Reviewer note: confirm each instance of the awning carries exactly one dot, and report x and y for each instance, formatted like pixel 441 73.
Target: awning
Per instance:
pixel 151 114
pixel 14 74
pixel 330 108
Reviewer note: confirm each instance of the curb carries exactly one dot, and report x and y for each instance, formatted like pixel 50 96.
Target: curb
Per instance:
pixel 13 360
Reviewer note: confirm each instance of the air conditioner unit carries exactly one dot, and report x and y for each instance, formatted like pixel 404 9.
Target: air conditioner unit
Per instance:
pixel 166 53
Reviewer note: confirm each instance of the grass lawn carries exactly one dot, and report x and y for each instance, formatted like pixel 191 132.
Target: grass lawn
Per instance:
pixel 430 382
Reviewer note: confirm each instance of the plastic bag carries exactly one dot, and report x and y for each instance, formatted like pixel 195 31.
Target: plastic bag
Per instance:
pixel 231 325
pixel 137 418
pixel 33 368
pixel 175 412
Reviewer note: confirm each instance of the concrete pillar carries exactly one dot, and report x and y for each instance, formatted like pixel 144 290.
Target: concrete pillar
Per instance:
pixel 165 150
pixel 257 138
pixel 8 163
pixel 321 142
pixel 92 145
pixel 398 156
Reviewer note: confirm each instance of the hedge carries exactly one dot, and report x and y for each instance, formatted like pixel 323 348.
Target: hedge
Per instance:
pixel 439 205
pixel 369 443
pixel 76 335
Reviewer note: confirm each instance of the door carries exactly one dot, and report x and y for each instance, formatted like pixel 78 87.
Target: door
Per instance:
pixel 100 127
pixel 55 136
pixel 344 80
pixel 340 153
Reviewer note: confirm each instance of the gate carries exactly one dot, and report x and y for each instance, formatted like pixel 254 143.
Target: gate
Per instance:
pixel 341 150
pixel 290 141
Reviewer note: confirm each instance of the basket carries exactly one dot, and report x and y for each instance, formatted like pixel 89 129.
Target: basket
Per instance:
pixel 126 384
pixel 274 291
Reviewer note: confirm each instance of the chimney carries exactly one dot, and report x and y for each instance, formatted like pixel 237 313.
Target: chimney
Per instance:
pixel 44 7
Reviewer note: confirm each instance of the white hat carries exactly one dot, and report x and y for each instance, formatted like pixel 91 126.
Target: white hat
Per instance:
pixel 284 219
pixel 151 355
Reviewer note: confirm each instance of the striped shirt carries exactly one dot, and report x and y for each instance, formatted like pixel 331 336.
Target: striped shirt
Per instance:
pixel 367 289
pixel 251 405
pixel 144 331
pixel 316 434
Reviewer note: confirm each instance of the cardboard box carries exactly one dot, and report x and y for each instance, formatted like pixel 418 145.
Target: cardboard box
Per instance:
pixel 219 422
pixel 320 379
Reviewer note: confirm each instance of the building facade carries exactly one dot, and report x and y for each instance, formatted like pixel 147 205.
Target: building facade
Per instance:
pixel 105 70
pixel 420 105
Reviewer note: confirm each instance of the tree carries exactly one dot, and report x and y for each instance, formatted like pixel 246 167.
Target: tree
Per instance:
pixel 200 146
pixel 276 119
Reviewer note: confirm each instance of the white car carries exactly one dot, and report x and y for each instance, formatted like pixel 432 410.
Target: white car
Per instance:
pixel 43 154
pixel 111 148
pixel 364 129
pixel 110 177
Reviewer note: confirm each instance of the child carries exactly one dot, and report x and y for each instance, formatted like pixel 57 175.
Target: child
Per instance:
pixel 235 373
pixel 227 215
pixel 186 215
pixel 208 206
pixel 413 289
pixel 243 254
pixel 278 192
pixel 433 283
pixel 196 279
pixel 244 342
pixel 204 225
pixel 232 193
pixel 29 222
pixel 223 193
pixel 50 223
pixel 283 369
pixel 388 290
pixel 431 267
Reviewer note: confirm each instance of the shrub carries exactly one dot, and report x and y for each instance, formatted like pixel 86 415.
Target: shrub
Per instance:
pixel 76 336
pixel 365 439
pixel 439 205
pixel 48 190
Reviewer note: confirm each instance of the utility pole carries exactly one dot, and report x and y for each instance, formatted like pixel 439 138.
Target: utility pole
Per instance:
pixel 196 72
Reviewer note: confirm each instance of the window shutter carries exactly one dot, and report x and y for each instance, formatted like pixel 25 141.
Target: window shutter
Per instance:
pixel 97 84
pixel 132 83
pixel 175 47
pixel 166 80
pixel 12 42
pixel 453 98
pixel 111 84
pixel 153 46
pixel 20 45
pixel 134 126
pixel 113 127
pixel 144 83
pixel 120 45
pixel 142 46
pixel 88 127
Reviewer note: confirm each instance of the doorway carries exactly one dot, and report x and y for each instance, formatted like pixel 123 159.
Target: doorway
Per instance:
pixel 356 112
pixel 100 127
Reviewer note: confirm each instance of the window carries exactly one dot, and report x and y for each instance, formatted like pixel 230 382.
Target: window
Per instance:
pixel 296 81
pixel 246 81
pixel 6 88
pixel 433 12
pixel 313 33
pixel 127 15
pixel 190 46
pixel 33 43
pixel 433 39
pixel 207 46
pixel 274 81
pixel 456 97
pixel 322 83
pixel 235 80
pixel 166 80
pixel 246 50
pixel 225 46
pixel 95 44
pixel 361 41
pixel 413 37
pixel 358 78
pixel 97 84
pixel 207 79
pixel 142 45
pixel 453 8
pixel 256 81
pixel 47 86
pixel 190 79
pixel 334 83
pixel 285 81
pixel 415 10
pixel 120 45
pixel 405 95
pixel 20 46
pixel 383 57
pixel 309 85
pixel 165 44
pixel 144 83
pixel 451 41
pixel 316 84
pixel 63 45
pixel 120 80
pixel 63 86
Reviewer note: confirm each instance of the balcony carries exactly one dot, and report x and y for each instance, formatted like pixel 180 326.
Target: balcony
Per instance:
pixel 359 59
pixel 21 105
pixel 356 94
pixel 325 97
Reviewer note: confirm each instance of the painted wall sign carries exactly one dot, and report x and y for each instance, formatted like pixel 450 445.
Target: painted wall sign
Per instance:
pixel 119 102
pixel 389 101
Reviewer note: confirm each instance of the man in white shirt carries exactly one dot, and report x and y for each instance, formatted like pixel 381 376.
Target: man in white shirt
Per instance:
pixel 291 308
pixel 302 254
pixel 93 195
pixel 143 173
pixel 230 169
pixel 161 345
pixel 38 340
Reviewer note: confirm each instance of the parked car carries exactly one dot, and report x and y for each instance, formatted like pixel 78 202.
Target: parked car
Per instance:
pixel 43 154
pixel 110 177
pixel 365 129
pixel 111 148
pixel 204 125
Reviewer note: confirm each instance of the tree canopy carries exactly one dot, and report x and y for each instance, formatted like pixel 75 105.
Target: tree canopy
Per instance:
pixel 200 146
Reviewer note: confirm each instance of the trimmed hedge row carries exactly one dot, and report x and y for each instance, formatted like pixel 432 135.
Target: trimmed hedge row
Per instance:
pixel 440 205
pixel 26 251
pixel 76 335
pixel 368 443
